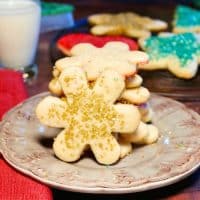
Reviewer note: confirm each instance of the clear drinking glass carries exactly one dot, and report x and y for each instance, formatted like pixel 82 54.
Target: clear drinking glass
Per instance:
pixel 19 32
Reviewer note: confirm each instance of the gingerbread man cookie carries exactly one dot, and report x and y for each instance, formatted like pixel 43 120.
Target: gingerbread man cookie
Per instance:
pixel 178 53
pixel 129 24
pixel 88 116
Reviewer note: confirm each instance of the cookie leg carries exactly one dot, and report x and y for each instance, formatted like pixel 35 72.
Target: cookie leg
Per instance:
pixel 185 72
pixel 106 149
pixel 68 148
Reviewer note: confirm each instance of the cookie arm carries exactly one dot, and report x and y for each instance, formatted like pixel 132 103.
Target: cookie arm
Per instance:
pixel 73 81
pixel 128 119
pixel 52 111
pixel 109 85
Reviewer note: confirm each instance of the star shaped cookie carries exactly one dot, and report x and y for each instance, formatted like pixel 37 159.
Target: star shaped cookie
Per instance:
pixel 88 116
pixel 129 24
pixel 180 54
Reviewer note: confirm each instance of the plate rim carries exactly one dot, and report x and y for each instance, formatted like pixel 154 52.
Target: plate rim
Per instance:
pixel 106 190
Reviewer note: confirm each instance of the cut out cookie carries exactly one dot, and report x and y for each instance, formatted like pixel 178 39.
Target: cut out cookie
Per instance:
pixel 129 24
pixel 145 134
pixel 186 19
pixel 88 116
pixel 178 53
pixel 66 42
pixel 134 81
pixel 113 55
pixel 136 96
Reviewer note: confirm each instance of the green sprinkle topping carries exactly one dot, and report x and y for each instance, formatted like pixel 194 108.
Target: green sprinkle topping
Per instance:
pixel 184 46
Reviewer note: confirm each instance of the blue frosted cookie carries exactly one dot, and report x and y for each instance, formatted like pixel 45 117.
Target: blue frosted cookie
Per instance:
pixel 180 53
pixel 186 19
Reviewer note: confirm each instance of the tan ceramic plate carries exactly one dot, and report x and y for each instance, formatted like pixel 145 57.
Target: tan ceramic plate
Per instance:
pixel 26 145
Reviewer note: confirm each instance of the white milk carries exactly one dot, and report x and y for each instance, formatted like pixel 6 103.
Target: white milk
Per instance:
pixel 19 30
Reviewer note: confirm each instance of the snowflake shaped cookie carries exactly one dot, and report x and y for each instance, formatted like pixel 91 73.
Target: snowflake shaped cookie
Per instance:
pixel 94 60
pixel 129 24
pixel 88 116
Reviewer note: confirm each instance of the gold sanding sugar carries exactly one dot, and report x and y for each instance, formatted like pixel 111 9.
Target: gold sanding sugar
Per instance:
pixel 91 117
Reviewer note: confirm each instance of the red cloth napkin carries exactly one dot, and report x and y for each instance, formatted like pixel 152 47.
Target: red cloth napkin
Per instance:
pixel 14 185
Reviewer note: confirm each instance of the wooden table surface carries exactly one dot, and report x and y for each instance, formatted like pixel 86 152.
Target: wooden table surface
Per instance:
pixel 188 189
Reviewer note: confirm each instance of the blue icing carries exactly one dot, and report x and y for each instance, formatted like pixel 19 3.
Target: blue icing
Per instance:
pixel 185 16
pixel 184 46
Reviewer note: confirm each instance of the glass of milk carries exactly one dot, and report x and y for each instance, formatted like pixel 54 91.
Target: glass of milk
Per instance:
pixel 19 31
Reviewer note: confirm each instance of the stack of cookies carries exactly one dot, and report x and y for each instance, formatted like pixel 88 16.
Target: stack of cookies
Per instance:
pixel 99 103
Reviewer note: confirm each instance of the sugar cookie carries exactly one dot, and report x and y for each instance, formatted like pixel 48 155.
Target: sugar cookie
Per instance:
pixel 113 55
pixel 128 24
pixel 66 42
pixel 88 116
pixel 145 134
pixel 186 19
pixel 178 53
pixel 134 81
pixel 135 96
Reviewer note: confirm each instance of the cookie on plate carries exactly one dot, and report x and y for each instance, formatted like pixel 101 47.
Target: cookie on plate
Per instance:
pixel 66 42
pixel 136 96
pixel 129 24
pixel 178 53
pixel 88 116
pixel 186 19
pixel 94 60
pixel 145 134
